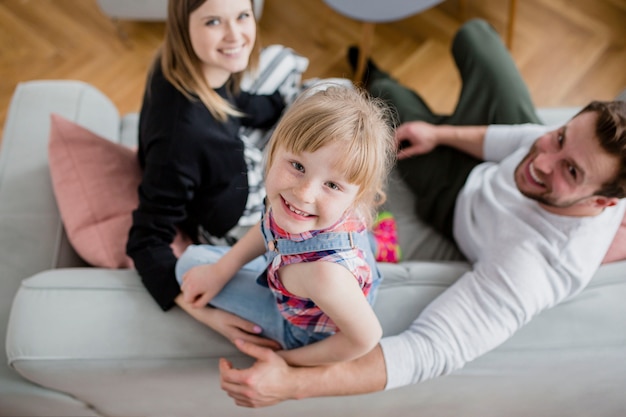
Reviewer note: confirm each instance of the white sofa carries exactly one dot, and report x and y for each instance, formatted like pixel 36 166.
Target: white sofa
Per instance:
pixel 84 341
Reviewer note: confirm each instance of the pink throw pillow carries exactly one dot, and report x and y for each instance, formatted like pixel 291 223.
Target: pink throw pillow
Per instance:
pixel 95 184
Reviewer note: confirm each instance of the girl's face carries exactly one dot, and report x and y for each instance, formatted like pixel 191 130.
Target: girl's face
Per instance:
pixel 222 34
pixel 307 191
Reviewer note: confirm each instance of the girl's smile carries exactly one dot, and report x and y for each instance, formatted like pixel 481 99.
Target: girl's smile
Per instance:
pixel 307 191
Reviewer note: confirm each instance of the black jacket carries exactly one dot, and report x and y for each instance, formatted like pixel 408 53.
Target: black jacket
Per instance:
pixel 194 173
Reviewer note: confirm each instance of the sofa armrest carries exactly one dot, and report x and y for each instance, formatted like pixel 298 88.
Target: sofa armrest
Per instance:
pixel 33 101
pixel 117 319
pixel 32 237
pixel 31 233
pixel 97 335
pixel 101 314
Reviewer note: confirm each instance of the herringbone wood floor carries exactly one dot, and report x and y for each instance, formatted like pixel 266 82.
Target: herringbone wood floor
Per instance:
pixel 569 51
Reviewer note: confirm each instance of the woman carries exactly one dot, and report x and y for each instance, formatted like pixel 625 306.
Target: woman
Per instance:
pixel 198 175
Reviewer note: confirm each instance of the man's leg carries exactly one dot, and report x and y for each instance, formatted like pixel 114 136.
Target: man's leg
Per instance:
pixel 493 91
pixel 408 104
pixel 434 178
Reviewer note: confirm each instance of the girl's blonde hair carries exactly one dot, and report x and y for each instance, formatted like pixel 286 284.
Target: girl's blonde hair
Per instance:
pixel 182 67
pixel 361 123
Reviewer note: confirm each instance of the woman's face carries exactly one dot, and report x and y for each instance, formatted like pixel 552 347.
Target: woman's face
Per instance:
pixel 222 34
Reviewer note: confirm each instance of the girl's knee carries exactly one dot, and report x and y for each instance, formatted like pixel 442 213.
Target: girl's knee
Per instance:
pixel 196 255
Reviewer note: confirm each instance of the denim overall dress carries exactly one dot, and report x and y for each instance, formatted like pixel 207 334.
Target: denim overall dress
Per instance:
pixel 335 241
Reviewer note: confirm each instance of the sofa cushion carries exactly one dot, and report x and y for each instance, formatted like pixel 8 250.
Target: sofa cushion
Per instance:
pixel 95 184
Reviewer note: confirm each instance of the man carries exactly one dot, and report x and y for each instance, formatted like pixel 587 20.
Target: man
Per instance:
pixel 534 209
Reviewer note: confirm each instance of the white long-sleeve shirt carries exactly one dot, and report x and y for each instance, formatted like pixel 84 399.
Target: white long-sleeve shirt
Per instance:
pixel 525 260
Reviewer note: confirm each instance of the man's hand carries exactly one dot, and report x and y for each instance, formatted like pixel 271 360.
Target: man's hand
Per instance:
pixel 271 380
pixel 265 383
pixel 415 138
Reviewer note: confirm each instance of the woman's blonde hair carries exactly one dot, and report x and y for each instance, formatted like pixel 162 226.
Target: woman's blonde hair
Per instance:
pixel 182 67
pixel 339 114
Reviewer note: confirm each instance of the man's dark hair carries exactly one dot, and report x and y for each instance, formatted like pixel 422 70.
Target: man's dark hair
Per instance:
pixel 611 133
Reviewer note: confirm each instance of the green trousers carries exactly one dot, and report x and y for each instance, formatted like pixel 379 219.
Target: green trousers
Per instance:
pixel 492 92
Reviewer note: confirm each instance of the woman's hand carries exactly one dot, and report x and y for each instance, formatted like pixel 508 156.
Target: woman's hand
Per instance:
pixel 230 326
pixel 415 138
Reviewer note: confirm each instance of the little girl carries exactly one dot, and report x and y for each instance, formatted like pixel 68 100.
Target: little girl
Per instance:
pixel 326 166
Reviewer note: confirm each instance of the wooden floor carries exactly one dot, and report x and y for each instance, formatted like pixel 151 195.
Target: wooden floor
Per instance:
pixel 568 51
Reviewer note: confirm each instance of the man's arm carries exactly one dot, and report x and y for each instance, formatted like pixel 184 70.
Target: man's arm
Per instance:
pixel 415 138
pixel 477 313
pixel 270 380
